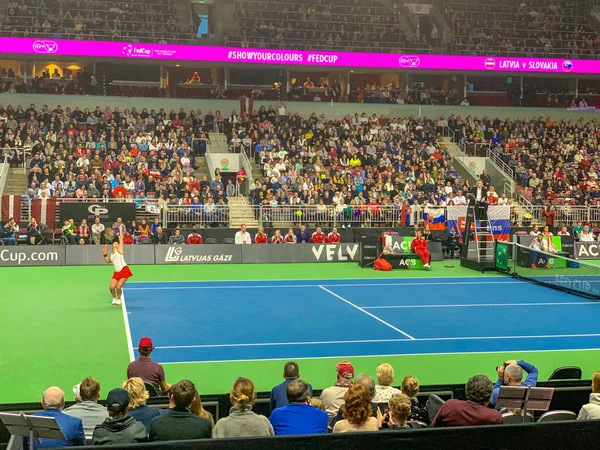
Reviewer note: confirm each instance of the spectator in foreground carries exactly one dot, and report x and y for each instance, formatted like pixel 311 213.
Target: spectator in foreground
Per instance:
pixel 242 421
pixel 591 410
pixel 119 428
pixel 159 237
pixel 333 397
pixel 367 382
pixel 53 402
pixel 410 387
pixel 399 407
pixel 298 416
pixel 87 408
pixel 177 238
pixel 357 412
pixel 145 368
pixel 198 410
pixel 279 397
pixel 511 374
pixel 384 389
pixel 180 423
pixel 473 411
pixel 137 402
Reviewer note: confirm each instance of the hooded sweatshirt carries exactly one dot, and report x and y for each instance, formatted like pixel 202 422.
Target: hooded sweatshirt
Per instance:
pixel 125 430
pixel 591 410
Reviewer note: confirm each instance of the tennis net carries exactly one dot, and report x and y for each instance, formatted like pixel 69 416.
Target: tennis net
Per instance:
pixel 555 270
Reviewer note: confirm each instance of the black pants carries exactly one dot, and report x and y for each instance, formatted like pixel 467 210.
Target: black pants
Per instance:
pixel 481 211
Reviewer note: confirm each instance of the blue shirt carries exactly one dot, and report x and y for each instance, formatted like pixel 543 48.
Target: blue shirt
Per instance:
pixel 279 396
pixel 72 428
pixel 144 414
pixel 296 418
pixel 531 380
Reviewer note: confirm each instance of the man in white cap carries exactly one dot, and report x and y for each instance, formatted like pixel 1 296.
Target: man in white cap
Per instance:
pixel 87 407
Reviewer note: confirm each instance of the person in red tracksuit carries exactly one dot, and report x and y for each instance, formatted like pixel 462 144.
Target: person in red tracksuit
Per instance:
pixel 318 237
pixel 194 238
pixel 334 237
pixel 290 238
pixel 261 237
pixel 419 246
pixel 277 238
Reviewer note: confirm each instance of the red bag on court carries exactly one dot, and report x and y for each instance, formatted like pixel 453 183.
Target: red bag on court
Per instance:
pixel 382 264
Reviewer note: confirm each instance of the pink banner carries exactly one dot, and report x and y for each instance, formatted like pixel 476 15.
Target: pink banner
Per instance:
pixel 50 47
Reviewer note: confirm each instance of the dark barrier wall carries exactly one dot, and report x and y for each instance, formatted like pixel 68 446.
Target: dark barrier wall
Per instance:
pixel 299 253
pixel 12 255
pixel 545 436
pixel 198 254
pixel 90 255
pixel 107 212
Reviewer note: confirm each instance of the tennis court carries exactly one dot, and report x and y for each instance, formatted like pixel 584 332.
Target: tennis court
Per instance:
pixel 262 320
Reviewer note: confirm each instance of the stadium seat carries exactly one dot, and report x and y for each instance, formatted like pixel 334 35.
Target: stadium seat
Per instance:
pixel 416 424
pixel 566 373
pixel 557 416
pixel 210 241
pixel 511 418
pixel 152 391
pixel 228 241
pixel 433 405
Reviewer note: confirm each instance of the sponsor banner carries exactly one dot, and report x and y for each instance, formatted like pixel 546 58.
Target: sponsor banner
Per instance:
pixel 404 261
pixel 198 254
pixel 499 220
pixel 310 58
pixel 91 255
pixel 108 212
pixel 401 244
pixel 299 253
pixel 587 250
pixel 226 162
pixel 11 207
pixel 19 255
pixel 368 250
pixel 567 244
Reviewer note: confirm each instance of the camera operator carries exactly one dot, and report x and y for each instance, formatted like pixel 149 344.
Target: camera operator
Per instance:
pixel 511 374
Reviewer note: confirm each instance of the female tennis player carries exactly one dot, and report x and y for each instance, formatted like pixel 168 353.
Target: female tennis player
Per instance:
pixel 122 272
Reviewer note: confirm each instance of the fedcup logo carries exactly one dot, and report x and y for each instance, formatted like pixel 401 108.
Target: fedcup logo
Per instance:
pixel 409 61
pixel 567 66
pixel 490 63
pixel 40 46
pixel 127 50
pixel 131 50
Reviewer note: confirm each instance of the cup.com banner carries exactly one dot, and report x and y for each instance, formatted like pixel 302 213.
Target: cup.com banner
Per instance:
pixel 499 220
pixel 22 256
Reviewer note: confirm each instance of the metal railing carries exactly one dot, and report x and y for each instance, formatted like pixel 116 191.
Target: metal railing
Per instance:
pixel 4 169
pixel 244 188
pixel 209 163
pixel 196 216
pixel 567 215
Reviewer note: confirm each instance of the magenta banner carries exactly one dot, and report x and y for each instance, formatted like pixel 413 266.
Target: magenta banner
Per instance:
pixel 48 47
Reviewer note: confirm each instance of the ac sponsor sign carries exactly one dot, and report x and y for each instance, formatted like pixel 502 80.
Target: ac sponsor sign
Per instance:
pixel 401 245
pixel 12 255
pixel 587 250
pixel 105 211
pixel 198 254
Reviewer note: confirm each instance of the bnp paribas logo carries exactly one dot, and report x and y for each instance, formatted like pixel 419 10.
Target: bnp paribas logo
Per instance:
pixel 131 51
pixel 43 46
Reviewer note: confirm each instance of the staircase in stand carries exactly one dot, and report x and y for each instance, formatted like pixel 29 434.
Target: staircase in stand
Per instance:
pixel 241 212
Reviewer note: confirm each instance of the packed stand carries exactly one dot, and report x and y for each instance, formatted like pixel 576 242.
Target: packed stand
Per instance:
pixel 90 20
pixel 354 403
pixel 536 28
pixel 72 83
pixel 553 161
pixel 343 25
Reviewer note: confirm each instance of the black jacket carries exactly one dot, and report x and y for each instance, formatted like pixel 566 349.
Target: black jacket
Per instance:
pixel 125 430
pixel 179 424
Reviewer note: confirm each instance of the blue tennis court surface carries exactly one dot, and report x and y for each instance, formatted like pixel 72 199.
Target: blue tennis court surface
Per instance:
pixel 260 320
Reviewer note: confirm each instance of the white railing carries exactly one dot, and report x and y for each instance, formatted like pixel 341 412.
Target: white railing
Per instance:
pixel 243 190
pixel 209 163
pixel 567 214
pixel 196 216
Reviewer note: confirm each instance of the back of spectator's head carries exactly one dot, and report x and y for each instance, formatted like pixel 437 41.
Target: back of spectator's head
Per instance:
pixel 345 370
pixel 385 374
pixel 297 392
pixel 137 392
pixel 410 386
pixel 145 346
pixel 53 398
pixel 399 406
pixel 596 383
pixel 89 390
pixel 183 394
pixel 357 405
pixel 367 382
pixel 117 402
pixel 513 374
pixel 291 370
pixel 242 393
pixel 479 389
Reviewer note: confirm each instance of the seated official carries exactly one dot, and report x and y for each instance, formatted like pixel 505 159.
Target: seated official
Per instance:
pixel 291 372
pixel 145 368
pixel 419 246
pixel 298 416
pixel 591 410
pixel 473 411
pixel 537 246
pixel 511 374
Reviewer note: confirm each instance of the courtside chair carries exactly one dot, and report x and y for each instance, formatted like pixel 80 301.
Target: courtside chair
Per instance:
pixel 228 241
pixel 557 416
pixel 210 241
pixel 511 418
pixel 433 405
pixel 566 373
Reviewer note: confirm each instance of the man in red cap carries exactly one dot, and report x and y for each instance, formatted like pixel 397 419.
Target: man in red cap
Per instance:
pixel 333 397
pixel 146 369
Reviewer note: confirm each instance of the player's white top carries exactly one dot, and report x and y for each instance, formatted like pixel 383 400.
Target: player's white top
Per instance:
pixel 118 260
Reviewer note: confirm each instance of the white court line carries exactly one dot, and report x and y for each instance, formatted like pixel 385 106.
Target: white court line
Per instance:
pixel 338 357
pixel 480 305
pixel 127 331
pixel 279 286
pixel 368 341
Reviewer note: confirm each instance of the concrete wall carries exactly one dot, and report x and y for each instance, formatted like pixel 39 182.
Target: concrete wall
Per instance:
pixel 305 108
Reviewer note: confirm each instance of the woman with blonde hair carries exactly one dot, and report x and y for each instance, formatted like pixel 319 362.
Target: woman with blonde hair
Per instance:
pixel 198 410
pixel 357 412
pixel 410 387
pixel 137 402
pixel 383 388
pixel 242 421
